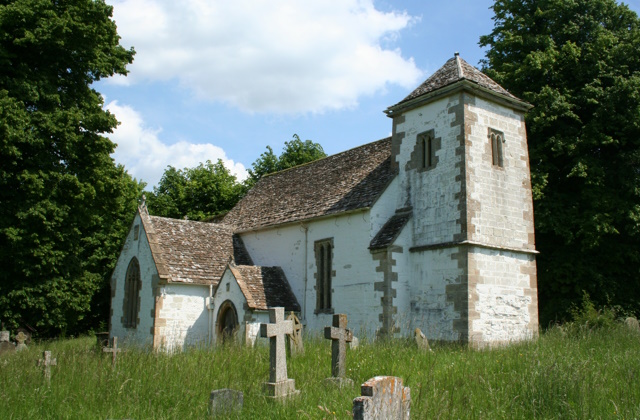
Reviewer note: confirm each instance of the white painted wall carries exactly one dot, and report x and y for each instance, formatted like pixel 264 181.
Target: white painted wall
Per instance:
pixel 184 309
pixel 433 193
pixel 141 335
pixel 430 272
pixel 228 289
pixel 353 264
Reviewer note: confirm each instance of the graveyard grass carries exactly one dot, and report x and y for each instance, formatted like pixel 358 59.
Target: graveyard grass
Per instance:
pixel 571 373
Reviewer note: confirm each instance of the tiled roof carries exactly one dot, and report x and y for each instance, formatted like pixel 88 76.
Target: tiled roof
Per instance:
pixel 186 251
pixel 390 231
pixel 265 287
pixel 454 70
pixel 347 181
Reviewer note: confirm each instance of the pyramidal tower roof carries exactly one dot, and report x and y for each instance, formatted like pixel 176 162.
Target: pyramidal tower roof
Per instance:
pixel 453 71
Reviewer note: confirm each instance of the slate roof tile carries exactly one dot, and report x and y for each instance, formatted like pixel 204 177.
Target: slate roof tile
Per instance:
pixel 454 70
pixel 265 287
pixel 188 251
pixel 343 182
pixel 391 229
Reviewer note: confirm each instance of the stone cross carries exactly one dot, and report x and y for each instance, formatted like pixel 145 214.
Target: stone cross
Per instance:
pixel 340 336
pixel 46 364
pixel 279 385
pixel 21 338
pixel 295 338
pixel 114 350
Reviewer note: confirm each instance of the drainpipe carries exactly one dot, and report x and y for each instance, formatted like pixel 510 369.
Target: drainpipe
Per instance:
pixel 210 312
pixel 304 296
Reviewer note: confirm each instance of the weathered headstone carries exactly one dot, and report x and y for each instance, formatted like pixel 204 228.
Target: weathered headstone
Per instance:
pixel 355 343
pixel 421 340
pixel 6 346
pixel 279 385
pixel 339 336
pixel 21 338
pixel 295 338
pixel 46 362
pixel 633 324
pixel 102 340
pixel 383 397
pixel 225 401
pixel 114 350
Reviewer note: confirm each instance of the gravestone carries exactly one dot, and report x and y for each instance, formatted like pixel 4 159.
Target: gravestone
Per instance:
pixel 355 343
pixel 279 385
pixel 6 346
pixel 46 362
pixel 225 401
pixel 632 324
pixel 21 338
pixel 114 350
pixel 295 338
pixel 421 340
pixel 102 340
pixel 383 397
pixel 339 336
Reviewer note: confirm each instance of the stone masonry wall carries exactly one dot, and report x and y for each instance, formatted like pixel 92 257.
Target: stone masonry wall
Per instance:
pixel 500 209
pixel 504 299
pixel 184 309
pixel 502 272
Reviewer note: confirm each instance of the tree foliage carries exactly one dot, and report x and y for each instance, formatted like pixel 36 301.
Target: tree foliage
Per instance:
pixel 63 198
pixel 578 62
pixel 196 193
pixel 296 152
pixel 210 189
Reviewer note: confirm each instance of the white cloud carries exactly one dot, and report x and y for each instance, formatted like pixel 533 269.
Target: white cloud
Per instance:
pixel 146 157
pixel 284 56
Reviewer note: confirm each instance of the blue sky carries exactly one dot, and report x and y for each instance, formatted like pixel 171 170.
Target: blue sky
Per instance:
pixel 214 79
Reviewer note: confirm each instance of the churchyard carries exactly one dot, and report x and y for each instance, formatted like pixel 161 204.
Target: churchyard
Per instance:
pixel 566 373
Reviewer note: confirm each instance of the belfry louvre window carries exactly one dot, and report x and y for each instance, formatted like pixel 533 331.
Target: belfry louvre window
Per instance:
pixel 428 150
pixel 131 303
pixel 324 272
pixel 496 138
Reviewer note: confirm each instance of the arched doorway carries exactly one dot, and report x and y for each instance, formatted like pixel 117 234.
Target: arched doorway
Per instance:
pixel 227 321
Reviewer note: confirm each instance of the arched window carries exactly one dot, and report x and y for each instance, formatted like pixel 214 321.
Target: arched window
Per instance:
pixel 497 138
pixel 131 303
pixel 324 266
pixel 427 152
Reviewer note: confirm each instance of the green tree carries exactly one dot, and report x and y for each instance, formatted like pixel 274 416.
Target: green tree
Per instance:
pixel 296 152
pixel 62 196
pixel 196 193
pixel 578 62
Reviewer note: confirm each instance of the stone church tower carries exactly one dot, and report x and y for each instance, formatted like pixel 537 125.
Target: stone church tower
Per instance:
pixel 459 147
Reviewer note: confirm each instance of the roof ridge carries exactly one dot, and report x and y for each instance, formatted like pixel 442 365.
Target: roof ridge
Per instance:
pixel 459 64
pixel 326 157
pixel 455 70
pixel 189 221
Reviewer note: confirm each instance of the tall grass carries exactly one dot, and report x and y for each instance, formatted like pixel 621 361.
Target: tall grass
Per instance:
pixel 582 374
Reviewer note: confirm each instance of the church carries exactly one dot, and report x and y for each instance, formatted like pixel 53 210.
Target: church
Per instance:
pixel 431 228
